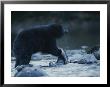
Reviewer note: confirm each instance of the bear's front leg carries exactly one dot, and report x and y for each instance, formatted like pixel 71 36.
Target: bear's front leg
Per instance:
pixel 62 58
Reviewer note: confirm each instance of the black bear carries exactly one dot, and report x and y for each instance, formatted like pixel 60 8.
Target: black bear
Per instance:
pixel 38 39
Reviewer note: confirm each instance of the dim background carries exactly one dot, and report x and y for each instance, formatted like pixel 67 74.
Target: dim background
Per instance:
pixel 82 27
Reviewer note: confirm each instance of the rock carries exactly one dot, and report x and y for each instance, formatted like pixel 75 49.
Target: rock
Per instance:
pixel 42 56
pixel 75 57
pixel 19 68
pixel 30 72
pixel 91 50
pixel 83 59
pixel 56 64
pixel 51 64
pixel 88 59
pixel 36 56
pixel 97 54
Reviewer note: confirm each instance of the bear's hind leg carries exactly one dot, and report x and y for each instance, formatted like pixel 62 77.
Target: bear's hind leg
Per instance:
pixel 17 62
pixel 23 60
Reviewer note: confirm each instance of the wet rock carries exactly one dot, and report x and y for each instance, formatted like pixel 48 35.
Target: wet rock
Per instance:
pixel 56 64
pixel 75 57
pixel 41 56
pixel 30 72
pixel 19 68
pixel 97 54
pixel 88 59
pixel 83 59
pixel 83 49
pixel 93 49
pixel 52 64
pixel 36 56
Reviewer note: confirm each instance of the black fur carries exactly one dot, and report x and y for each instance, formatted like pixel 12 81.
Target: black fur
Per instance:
pixel 37 39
